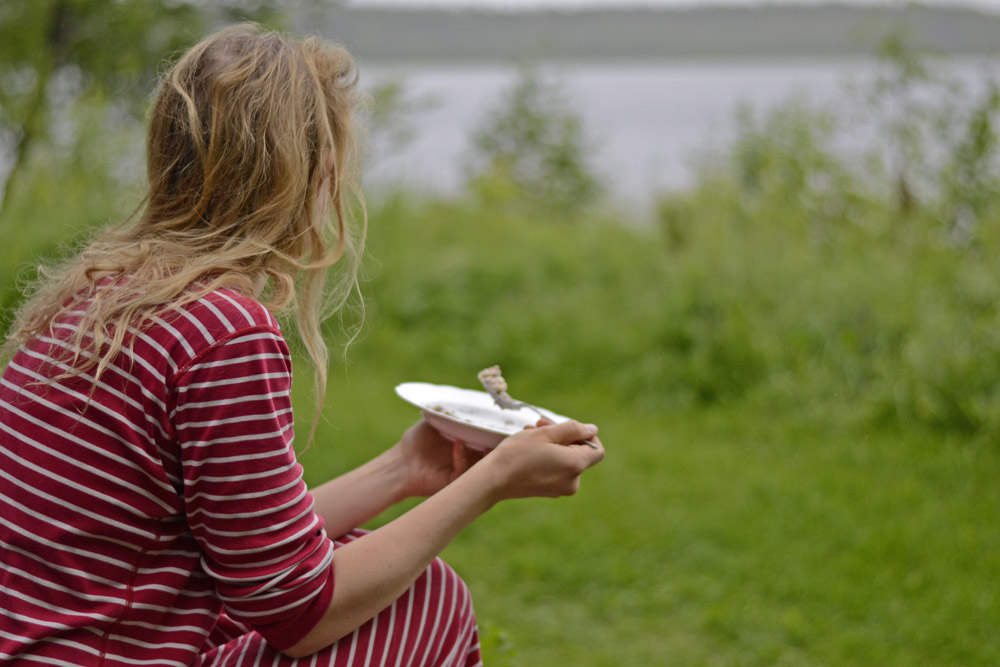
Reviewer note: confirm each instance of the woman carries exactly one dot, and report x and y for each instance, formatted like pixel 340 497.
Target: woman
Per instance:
pixel 151 507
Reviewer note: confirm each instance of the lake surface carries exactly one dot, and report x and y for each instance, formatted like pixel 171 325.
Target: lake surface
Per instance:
pixel 644 122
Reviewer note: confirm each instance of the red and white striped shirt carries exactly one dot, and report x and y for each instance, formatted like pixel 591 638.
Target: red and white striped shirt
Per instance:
pixel 130 516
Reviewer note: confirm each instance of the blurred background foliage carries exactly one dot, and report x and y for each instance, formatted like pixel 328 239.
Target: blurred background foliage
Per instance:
pixel 59 55
pixel 794 361
pixel 531 151
pixel 790 275
pixel 74 79
pixel 787 271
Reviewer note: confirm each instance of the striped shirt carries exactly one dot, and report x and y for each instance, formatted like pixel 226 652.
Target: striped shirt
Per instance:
pixel 133 512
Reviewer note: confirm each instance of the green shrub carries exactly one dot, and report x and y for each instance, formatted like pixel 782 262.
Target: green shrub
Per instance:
pixel 855 297
pixel 531 150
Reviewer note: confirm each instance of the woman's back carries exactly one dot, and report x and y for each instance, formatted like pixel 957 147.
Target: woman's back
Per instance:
pixel 126 515
pixel 151 507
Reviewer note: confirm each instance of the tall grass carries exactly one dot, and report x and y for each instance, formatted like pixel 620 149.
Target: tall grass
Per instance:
pixel 720 304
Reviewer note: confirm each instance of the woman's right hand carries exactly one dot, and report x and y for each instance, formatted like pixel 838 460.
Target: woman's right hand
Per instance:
pixel 542 461
pixel 374 570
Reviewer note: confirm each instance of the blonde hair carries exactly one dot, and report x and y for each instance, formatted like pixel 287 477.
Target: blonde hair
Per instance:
pixel 252 158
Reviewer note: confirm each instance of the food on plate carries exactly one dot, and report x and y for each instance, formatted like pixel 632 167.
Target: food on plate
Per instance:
pixel 492 380
pixel 496 386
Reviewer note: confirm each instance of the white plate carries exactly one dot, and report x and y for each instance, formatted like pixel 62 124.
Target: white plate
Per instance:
pixel 469 415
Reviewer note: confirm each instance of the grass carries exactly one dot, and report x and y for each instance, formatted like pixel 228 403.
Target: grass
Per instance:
pixel 767 519
pixel 720 537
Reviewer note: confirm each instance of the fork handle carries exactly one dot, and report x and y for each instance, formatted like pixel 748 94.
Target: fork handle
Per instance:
pixel 539 413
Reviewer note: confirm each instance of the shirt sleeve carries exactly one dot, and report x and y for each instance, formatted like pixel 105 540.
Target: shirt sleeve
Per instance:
pixel 246 502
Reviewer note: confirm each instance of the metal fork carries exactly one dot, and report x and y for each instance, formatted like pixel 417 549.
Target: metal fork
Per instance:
pixel 492 380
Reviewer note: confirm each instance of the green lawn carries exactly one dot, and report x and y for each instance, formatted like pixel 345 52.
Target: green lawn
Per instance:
pixel 728 536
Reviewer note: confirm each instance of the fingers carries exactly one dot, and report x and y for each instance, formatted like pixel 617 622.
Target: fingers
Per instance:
pixel 463 458
pixel 595 450
pixel 459 463
pixel 568 432
pixel 546 460
pixel 573 434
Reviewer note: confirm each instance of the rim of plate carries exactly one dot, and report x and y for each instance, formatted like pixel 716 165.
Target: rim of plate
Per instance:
pixel 479 399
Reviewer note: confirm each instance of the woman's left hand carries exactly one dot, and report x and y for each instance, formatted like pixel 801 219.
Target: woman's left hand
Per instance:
pixel 431 460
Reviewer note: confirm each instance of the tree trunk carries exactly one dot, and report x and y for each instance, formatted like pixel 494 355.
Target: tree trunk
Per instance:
pixel 35 125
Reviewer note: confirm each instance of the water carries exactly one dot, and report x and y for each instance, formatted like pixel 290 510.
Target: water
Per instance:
pixel 644 122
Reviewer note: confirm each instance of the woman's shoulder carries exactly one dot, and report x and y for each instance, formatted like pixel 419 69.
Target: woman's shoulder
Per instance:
pixel 228 310
pixel 212 319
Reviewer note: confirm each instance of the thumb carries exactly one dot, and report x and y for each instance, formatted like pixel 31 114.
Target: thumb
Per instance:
pixel 568 432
